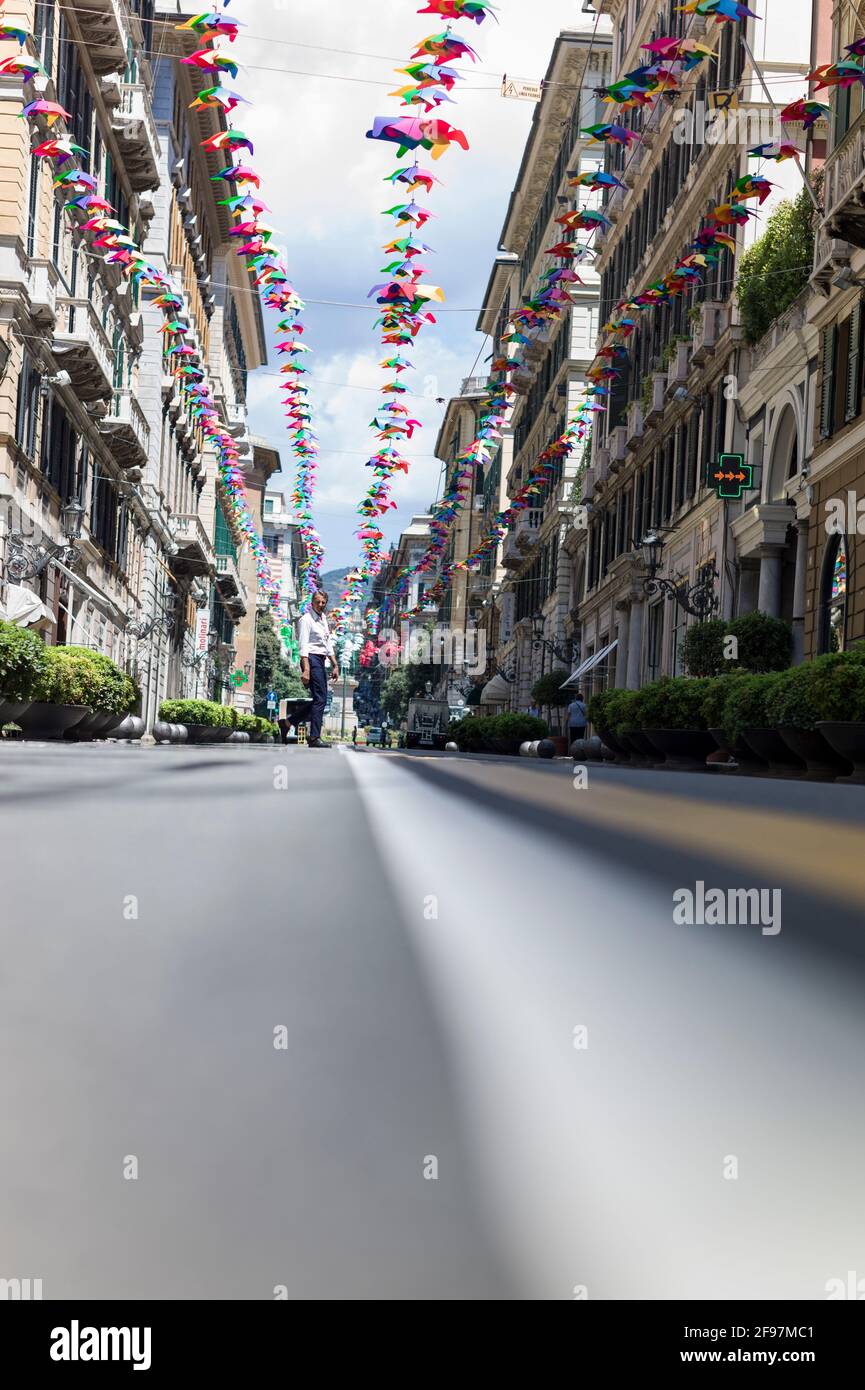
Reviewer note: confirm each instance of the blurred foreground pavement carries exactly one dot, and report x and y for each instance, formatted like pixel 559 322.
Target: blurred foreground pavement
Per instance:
pixel 503 1069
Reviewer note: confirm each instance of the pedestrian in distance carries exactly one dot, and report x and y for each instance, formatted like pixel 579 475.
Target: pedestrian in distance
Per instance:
pixel 316 649
pixel 354 734
pixel 577 718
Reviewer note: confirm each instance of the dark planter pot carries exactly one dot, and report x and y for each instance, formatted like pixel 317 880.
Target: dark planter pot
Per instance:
pixel 94 726
pixel 769 745
pixel 645 752
pixel 686 750
pixel 11 709
pixel 51 721
pixel 821 760
pixel 616 746
pixel 560 743
pixel 849 741
pixel 749 764
pixel 199 733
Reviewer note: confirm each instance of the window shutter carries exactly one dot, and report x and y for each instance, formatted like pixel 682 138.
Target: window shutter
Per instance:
pixel 853 402
pixel 839 382
pixel 829 335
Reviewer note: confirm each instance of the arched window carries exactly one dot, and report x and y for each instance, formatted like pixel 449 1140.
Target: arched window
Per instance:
pixel 833 596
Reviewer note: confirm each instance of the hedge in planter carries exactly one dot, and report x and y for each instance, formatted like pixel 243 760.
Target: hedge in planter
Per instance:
pixel 764 644
pixel 196 712
pixel 23 661
pixel 746 706
pixel 70 678
pixel 500 733
pixel 117 692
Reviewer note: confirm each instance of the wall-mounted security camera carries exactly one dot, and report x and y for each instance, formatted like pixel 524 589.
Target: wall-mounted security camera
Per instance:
pixel 57 381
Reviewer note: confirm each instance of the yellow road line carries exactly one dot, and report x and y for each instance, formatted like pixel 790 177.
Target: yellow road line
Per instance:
pixel 824 855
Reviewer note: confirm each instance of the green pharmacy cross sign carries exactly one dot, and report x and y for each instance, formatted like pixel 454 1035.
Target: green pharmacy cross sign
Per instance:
pixel 731 477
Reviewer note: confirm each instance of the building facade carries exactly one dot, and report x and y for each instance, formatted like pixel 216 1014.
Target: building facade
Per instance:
pixel 74 441
pixel 676 407
pixel 527 602
pixel 95 439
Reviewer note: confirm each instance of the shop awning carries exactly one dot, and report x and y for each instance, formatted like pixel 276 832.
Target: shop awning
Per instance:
pixel 496 692
pixel 23 607
pixel 101 600
pixel 589 665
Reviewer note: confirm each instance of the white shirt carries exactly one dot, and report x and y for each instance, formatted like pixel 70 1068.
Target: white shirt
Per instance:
pixel 315 638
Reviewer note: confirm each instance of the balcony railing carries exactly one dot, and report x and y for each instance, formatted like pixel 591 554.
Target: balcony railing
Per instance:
pixel 139 139
pixel 844 193
pixel 82 347
pixel 127 430
pixel 227 575
pixel 474 385
pixel 194 548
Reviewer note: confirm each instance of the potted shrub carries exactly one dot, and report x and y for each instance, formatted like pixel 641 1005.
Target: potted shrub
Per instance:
pixel 64 694
pixel 746 717
pixel 681 735
pixel 205 720
pixel 547 694
pixel 763 643
pixel 647 712
pixel 839 693
pixel 607 712
pixel 714 701
pixel 23 661
pixel 794 711
pixel 115 696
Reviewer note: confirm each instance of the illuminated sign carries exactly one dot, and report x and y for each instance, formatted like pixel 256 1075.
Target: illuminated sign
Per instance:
pixel 731 476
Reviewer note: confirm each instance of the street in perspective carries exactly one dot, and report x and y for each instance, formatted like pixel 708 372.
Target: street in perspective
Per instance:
pixel 432 716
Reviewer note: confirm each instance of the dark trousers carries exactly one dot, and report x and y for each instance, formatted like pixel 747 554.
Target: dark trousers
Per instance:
pixel 577 731
pixel 318 691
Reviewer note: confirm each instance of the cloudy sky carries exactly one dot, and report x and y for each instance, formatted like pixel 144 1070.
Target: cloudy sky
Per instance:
pixel 318 72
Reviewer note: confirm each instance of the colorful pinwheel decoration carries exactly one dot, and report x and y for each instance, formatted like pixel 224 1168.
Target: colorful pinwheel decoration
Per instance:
pixel 804 110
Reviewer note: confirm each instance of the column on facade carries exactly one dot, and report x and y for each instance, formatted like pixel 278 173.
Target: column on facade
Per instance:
pixel 635 643
pixel 623 630
pixel 769 591
pixel 800 589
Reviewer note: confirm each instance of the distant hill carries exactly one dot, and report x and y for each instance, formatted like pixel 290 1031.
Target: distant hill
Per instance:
pixel 334 582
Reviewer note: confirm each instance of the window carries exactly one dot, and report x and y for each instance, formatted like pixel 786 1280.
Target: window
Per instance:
pixel 833 596
pixel 656 640
pixel 108 520
pixel 27 412
pixel 33 205
pixel 59 446
pixel 43 34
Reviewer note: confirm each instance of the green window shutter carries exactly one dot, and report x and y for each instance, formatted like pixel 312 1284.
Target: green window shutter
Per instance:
pixel 829 336
pixel 853 402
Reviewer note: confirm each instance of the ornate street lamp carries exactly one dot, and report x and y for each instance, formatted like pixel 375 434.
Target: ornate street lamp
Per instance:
pixel 27 561
pixel 539 640
pixel 700 600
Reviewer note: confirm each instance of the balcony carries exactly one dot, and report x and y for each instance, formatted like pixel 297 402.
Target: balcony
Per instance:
pixel 104 30
pixel 139 141
pixel 677 370
pixel 618 448
pixel 232 590
pixel 82 348
pixel 126 430
pixel 194 550
pixel 656 400
pixel 844 192
pixel 474 386
pixel 634 426
pixel 705 338
pixel 42 289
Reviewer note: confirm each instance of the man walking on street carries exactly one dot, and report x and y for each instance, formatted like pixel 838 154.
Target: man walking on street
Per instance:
pixel 316 647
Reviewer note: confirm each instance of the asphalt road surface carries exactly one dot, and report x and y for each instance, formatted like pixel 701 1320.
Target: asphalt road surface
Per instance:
pixel 358 1024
